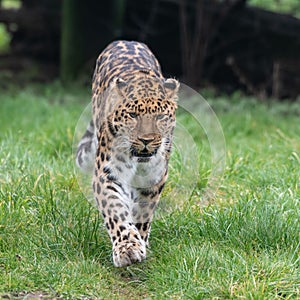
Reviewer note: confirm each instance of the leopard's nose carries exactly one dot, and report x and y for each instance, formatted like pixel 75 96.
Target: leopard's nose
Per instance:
pixel 146 139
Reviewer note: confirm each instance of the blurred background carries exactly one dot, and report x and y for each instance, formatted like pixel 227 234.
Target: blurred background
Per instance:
pixel 226 45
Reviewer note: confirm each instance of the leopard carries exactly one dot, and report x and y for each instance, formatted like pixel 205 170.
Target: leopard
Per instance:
pixel 128 144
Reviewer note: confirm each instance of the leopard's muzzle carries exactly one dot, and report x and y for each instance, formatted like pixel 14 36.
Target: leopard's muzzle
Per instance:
pixel 146 145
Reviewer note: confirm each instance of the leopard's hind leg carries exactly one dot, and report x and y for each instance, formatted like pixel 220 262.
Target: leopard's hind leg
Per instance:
pixel 86 150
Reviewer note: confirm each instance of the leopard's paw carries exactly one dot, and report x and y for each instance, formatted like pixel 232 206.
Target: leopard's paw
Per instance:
pixel 128 252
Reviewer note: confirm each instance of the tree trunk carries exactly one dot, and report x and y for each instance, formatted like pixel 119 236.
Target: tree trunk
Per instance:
pixel 72 39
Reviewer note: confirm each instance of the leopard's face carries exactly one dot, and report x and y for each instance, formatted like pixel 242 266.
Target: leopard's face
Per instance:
pixel 144 118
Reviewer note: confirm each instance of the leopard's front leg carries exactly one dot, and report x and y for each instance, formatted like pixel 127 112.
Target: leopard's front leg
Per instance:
pixel 114 203
pixel 143 209
pixel 129 248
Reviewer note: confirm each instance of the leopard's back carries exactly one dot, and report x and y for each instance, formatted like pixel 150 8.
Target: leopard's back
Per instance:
pixel 123 59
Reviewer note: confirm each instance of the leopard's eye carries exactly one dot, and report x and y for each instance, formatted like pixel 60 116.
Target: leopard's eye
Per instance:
pixel 133 115
pixel 160 116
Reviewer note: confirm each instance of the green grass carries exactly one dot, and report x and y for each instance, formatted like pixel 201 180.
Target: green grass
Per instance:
pixel 244 245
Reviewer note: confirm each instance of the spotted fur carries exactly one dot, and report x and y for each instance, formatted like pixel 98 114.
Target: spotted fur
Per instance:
pixel 128 142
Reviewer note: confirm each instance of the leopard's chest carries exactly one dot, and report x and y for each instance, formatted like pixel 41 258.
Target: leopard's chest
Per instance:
pixel 136 173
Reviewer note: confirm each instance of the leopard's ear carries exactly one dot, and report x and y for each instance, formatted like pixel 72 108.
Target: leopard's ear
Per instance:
pixel 121 85
pixel 172 86
pixel 114 93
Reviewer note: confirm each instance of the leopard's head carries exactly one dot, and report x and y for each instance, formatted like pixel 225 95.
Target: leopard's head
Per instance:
pixel 143 117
